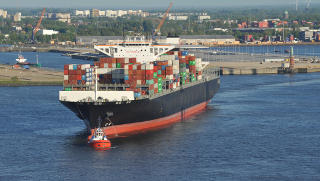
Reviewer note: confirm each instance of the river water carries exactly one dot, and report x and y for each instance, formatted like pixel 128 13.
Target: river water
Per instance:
pixel 259 127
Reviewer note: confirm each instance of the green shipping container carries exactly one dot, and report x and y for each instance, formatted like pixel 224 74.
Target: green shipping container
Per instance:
pixel 149 82
pixel 192 63
pixel 118 65
pixel 154 74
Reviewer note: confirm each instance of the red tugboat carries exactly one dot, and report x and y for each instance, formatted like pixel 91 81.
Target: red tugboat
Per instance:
pixel 98 140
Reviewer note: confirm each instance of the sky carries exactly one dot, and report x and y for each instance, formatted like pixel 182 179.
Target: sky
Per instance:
pixel 134 4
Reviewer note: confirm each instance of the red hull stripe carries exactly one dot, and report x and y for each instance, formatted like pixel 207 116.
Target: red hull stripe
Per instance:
pixel 140 127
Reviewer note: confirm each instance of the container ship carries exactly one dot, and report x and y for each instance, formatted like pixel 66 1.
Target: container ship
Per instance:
pixel 138 87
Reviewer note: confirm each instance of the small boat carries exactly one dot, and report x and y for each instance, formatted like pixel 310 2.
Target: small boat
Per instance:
pixel 21 59
pixel 98 140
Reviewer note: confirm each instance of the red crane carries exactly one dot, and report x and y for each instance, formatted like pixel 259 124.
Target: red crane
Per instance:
pixel 37 27
pixel 162 20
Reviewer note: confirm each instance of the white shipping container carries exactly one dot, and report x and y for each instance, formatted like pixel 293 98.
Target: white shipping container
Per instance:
pixel 174 86
pixel 149 67
pixel 70 66
pixel 126 60
pixel 199 77
pixel 143 67
pixel 139 82
pixel 85 66
pixel 66 77
pixel 170 77
pixel 104 70
pixel 114 65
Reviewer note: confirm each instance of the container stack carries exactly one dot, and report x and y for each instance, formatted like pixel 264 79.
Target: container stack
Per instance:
pixel 171 70
pixel 75 74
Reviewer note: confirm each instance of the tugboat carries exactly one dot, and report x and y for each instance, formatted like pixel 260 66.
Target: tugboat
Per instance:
pixel 99 141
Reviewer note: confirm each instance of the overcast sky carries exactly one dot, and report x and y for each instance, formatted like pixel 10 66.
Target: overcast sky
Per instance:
pixel 143 3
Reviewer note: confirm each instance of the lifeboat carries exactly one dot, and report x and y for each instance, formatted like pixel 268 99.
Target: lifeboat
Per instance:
pixel 99 141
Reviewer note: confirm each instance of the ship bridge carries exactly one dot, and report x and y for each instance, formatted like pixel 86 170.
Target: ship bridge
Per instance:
pixel 135 47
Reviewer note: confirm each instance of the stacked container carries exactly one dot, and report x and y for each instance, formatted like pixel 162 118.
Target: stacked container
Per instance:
pixel 169 72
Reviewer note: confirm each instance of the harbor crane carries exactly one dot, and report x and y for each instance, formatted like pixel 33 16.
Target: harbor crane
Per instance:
pixel 157 31
pixel 37 27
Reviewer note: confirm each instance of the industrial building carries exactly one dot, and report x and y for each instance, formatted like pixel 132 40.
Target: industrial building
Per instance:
pixel 48 32
pixel 178 18
pixel 63 17
pixel 17 17
pixel 3 13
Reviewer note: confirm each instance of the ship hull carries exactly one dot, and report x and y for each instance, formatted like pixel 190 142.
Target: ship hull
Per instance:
pixel 127 118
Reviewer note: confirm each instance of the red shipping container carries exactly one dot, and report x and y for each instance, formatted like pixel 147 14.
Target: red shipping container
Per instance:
pixel 120 60
pixel 66 72
pixel 149 72
pixel 132 60
pixel 97 64
pixel 79 67
pixel 65 82
pixel 66 67
pixel 78 77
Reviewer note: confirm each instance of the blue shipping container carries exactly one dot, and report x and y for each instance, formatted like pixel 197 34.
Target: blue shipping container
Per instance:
pixel 184 53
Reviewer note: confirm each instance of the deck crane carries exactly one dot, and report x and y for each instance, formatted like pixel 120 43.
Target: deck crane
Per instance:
pixel 37 27
pixel 157 31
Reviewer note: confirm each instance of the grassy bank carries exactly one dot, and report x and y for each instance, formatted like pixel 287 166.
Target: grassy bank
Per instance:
pixel 11 83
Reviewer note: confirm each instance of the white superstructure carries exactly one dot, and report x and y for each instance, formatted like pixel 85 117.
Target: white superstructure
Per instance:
pixel 135 47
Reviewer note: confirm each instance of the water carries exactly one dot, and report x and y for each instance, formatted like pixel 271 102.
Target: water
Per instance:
pixel 262 127
pixel 47 59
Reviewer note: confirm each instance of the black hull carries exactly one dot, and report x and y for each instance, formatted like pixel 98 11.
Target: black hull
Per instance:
pixel 112 113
